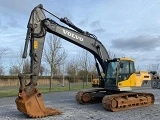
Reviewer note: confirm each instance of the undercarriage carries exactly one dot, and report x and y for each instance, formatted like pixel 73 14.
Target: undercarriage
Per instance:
pixel 115 100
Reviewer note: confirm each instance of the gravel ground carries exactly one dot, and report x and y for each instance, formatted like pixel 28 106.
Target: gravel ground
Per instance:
pixel 65 101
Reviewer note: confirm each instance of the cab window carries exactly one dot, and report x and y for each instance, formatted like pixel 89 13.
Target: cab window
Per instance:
pixel 125 70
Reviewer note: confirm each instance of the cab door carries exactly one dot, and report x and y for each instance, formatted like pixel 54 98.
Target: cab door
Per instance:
pixel 126 74
pixel 132 74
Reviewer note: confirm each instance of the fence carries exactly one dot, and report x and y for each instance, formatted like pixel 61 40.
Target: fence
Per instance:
pixel 9 85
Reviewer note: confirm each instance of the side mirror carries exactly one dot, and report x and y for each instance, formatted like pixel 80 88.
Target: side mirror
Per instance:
pixel 121 65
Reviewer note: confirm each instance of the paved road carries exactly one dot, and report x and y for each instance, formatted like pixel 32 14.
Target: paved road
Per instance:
pixel 65 101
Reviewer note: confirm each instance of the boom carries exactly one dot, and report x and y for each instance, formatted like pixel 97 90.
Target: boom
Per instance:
pixel 80 39
pixel 77 36
pixel 39 25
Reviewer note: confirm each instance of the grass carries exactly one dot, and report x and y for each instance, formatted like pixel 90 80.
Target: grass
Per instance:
pixel 7 93
pixel 45 89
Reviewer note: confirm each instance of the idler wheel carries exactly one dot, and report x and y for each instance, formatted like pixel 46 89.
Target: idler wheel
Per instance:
pixel 86 97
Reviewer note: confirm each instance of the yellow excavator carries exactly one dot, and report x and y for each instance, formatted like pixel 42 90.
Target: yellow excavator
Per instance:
pixel 114 89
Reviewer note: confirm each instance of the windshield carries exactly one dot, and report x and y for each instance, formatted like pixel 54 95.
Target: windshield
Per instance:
pixel 111 71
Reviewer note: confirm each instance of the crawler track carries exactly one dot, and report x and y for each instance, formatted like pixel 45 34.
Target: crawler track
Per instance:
pixel 116 101
pixel 126 101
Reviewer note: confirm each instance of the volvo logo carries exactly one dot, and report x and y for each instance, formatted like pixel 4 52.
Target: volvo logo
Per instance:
pixel 72 35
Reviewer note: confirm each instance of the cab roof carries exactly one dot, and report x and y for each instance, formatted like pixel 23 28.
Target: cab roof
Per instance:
pixel 125 58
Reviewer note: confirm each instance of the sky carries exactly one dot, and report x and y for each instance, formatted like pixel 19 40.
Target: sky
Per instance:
pixel 129 28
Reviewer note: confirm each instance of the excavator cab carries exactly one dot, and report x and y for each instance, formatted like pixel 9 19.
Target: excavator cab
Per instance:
pixel 120 73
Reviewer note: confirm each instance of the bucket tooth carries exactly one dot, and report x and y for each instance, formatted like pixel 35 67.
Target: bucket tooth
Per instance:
pixel 33 106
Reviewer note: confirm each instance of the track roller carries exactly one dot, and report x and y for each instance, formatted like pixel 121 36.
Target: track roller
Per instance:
pixel 83 97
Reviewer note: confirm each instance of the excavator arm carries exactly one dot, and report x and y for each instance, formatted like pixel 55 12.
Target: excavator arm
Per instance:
pixel 29 99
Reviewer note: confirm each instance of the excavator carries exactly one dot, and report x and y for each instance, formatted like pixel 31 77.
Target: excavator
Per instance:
pixel 114 89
